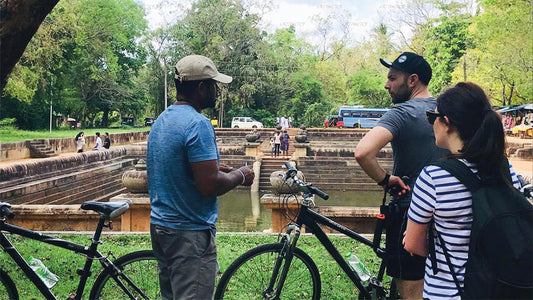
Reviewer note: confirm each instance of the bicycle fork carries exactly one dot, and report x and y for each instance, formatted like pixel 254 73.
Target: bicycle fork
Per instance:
pixel 284 260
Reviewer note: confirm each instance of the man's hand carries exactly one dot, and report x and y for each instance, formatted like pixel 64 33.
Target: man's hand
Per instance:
pixel 248 175
pixel 225 168
pixel 395 180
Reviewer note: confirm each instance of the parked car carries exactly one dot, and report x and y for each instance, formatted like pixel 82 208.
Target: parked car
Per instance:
pixel 149 121
pixel 245 122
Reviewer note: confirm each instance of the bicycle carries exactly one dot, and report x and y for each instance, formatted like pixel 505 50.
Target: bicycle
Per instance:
pixel 288 270
pixel 132 276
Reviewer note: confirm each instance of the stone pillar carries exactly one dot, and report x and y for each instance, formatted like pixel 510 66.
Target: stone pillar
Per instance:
pixel 281 209
pixel 137 218
pixel 257 171
pixel 253 149
pixel 300 150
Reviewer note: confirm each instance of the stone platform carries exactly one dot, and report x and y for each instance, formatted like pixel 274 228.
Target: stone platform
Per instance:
pixel 358 219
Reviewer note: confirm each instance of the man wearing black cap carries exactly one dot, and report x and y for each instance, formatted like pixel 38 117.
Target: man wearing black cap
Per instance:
pixel 184 180
pixel 413 144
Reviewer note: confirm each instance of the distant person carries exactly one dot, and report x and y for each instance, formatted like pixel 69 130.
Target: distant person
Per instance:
pixel 185 177
pixel 290 122
pixel 277 143
pixel 272 147
pixel 284 123
pixel 285 143
pixel 98 144
pixel 107 141
pixel 406 128
pixel 80 141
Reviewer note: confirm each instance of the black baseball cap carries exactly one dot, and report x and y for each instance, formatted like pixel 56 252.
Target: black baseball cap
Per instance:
pixel 411 63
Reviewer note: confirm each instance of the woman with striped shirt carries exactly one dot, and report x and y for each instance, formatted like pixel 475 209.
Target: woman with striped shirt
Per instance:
pixel 465 124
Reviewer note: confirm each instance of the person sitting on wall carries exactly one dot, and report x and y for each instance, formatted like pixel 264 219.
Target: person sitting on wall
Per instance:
pixel 98 145
pixel 107 141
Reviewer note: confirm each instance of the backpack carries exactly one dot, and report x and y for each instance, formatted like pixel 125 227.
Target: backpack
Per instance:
pixel 500 255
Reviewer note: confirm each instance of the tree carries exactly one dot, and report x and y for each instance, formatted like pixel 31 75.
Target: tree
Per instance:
pixel 20 21
pixel 446 43
pixel 502 57
pixel 366 88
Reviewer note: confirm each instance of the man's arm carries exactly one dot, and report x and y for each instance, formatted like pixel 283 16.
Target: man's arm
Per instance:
pixel 368 148
pixel 366 152
pixel 211 181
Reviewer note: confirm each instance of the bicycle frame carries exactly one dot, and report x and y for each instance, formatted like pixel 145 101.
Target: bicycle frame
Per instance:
pixel 89 251
pixel 311 220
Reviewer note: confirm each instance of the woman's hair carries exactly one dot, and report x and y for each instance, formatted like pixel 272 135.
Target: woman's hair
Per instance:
pixel 78 135
pixel 480 128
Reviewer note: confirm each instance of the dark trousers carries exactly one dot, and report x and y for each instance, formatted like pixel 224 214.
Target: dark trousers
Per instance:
pixel 187 262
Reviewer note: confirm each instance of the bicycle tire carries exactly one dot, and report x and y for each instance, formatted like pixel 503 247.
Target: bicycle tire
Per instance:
pixel 8 289
pixel 140 267
pixel 249 275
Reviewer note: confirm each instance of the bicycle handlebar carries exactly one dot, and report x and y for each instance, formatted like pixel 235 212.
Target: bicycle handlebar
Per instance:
pixel 5 210
pixel 292 173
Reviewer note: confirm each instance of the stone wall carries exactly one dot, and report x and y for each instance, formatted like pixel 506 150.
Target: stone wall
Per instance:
pixel 92 175
pixel 20 150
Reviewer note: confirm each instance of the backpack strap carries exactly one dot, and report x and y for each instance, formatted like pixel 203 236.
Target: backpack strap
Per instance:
pixel 460 171
pixel 448 260
pixel 463 173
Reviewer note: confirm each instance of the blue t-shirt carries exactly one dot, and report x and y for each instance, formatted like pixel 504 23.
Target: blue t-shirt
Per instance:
pixel 180 136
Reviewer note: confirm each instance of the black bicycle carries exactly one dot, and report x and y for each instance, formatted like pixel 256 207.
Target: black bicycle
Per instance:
pixel 132 276
pixel 281 270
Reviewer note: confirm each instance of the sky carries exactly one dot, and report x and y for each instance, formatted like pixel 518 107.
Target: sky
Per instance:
pixel 365 15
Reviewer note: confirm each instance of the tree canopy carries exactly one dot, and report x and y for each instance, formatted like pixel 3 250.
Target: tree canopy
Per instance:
pixel 96 60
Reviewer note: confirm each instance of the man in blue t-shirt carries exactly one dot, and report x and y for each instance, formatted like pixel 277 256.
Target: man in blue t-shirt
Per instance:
pixel 413 144
pixel 184 180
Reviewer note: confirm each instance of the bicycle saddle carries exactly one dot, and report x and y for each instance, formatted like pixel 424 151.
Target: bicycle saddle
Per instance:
pixel 110 210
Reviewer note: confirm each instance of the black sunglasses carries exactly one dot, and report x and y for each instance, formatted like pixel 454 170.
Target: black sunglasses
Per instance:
pixel 432 116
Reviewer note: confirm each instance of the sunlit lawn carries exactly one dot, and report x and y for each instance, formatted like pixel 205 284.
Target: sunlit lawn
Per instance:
pixel 13 135
pixel 335 284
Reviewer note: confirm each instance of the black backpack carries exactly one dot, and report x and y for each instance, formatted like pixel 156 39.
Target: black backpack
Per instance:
pixel 500 255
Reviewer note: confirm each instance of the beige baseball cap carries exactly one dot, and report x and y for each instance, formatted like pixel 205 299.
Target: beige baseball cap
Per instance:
pixel 198 67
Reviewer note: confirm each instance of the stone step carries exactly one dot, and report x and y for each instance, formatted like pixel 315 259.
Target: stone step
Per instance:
pixel 41 180
pixel 64 189
pixel 104 191
pixel 86 194
pixel 64 181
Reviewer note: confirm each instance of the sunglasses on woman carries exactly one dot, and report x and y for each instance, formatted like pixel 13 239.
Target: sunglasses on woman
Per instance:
pixel 432 116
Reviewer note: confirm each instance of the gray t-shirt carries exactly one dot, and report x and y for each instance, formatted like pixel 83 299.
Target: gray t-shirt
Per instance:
pixel 413 142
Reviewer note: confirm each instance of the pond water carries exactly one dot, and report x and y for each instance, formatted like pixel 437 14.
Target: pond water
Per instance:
pixel 241 211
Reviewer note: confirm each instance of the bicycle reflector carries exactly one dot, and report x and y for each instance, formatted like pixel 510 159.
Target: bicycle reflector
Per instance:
pixel 380 216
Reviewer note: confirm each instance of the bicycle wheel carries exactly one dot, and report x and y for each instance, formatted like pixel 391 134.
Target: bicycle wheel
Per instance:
pixel 139 273
pixel 249 276
pixel 8 290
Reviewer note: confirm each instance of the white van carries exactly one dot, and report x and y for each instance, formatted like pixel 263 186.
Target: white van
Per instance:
pixel 245 122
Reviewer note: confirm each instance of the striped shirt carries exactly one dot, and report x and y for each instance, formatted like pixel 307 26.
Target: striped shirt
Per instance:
pixel 440 196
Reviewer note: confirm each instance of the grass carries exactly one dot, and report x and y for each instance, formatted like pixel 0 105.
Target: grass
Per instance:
pixel 335 284
pixel 10 134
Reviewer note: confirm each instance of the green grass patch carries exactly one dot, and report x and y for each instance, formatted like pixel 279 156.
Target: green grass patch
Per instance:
pixel 10 134
pixel 335 284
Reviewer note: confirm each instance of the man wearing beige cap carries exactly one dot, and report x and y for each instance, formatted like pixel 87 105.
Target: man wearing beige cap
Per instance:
pixel 184 179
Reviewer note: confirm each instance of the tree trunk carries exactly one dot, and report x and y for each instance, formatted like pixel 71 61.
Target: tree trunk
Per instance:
pixel 105 118
pixel 20 19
